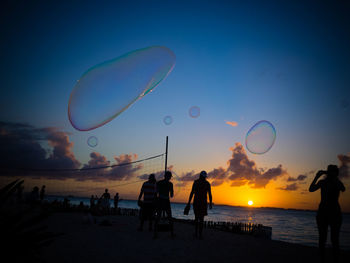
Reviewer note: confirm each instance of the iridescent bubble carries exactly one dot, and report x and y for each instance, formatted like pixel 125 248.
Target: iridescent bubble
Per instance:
pixel 107 89
pixel 260 137
pixel 194 112
pixel 168 120
pixel 92 141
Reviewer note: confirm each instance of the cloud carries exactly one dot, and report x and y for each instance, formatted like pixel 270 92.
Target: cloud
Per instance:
pixel 22 152
pixel 232 123
pixel 344 171
pixel 21 148
pixel 300 177
pixel 240 171
pixel 244 171
pixel 289 187
pixel 96 160
pixel 122 170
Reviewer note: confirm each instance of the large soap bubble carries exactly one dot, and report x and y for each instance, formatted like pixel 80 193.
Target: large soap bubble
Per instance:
pixel 107 89
pixel 260 137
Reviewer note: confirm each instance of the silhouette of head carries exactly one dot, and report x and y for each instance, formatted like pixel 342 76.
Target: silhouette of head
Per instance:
pixel 167 175
pixel 152 178
pixel 203 175
pixel 332 171
pixel 106 190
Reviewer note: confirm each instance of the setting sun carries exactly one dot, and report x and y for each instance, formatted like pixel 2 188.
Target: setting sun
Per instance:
pixel 250 202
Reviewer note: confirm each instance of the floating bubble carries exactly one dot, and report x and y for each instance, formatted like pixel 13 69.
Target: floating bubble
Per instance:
pixel 92 141
pixel 168 120
pixel 194 112
pixel 106 90
pixel 260 137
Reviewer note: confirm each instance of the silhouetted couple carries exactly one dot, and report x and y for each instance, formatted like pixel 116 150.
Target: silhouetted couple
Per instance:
pixel 329 213
pixel 156 199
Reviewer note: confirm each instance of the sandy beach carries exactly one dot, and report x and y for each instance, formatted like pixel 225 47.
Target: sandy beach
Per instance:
pixel 121 242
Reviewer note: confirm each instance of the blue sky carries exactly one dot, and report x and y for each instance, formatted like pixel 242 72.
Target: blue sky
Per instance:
pixel 284 61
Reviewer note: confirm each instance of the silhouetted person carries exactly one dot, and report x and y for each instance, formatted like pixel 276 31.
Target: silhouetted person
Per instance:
pixel 92 202
pixel 116 201
pixel 105 200
pixel 66 204
pixel 165 190
pixel 42 193
pixel 149 192
pixel 329 213
pixel 34 195
pixel 200 189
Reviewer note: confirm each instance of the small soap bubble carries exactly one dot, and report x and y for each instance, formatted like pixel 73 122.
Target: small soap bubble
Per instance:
pixel 194 112
pixel 261 137
pixel 168 120
pixel 92 141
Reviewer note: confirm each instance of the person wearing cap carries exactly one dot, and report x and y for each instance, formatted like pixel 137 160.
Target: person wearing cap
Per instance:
pixel 200 189
pixel 149 191
pixel 165 191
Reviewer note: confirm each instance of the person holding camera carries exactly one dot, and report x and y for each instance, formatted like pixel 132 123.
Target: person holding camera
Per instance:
pixel 329 212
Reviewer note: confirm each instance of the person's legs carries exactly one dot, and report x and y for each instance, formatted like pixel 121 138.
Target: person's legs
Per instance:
pixel 322 226
pixel 200 225
pixel 196 221
pixel 142 219
pixel 156 221
pixel 335 229
pixel 170 218
pixel 150 217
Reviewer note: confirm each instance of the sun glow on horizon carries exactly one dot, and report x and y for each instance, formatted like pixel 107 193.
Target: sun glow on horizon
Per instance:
pixel 250 202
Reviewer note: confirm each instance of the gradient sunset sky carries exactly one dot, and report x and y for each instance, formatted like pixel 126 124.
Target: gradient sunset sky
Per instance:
pixel 240 62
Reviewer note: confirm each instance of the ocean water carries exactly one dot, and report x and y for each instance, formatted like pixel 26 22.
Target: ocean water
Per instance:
pixel 294 226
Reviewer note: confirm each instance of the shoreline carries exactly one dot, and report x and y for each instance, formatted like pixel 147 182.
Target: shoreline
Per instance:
pixel 235 206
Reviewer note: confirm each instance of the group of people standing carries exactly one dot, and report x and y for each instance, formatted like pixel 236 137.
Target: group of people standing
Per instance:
pixel 103 202
pixel 156 202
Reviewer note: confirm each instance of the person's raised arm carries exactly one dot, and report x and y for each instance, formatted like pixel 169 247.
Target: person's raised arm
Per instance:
pixel 342 187
pixel 191 194
pixel 210 198
pixel 315 186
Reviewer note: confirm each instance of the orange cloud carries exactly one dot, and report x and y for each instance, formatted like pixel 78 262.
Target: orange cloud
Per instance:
pixel 232 123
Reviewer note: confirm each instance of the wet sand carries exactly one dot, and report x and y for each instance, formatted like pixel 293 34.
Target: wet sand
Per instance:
pixel 121 242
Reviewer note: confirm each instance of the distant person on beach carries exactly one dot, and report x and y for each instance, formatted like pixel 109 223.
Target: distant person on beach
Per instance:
pixel 149 192
pixel 34 195
pixel 116 201
pixel 200 189
pixel 329 212
pixel 92 202
pixel 42 193
pixel 105 201
pixel 165 191
pixel 66 203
